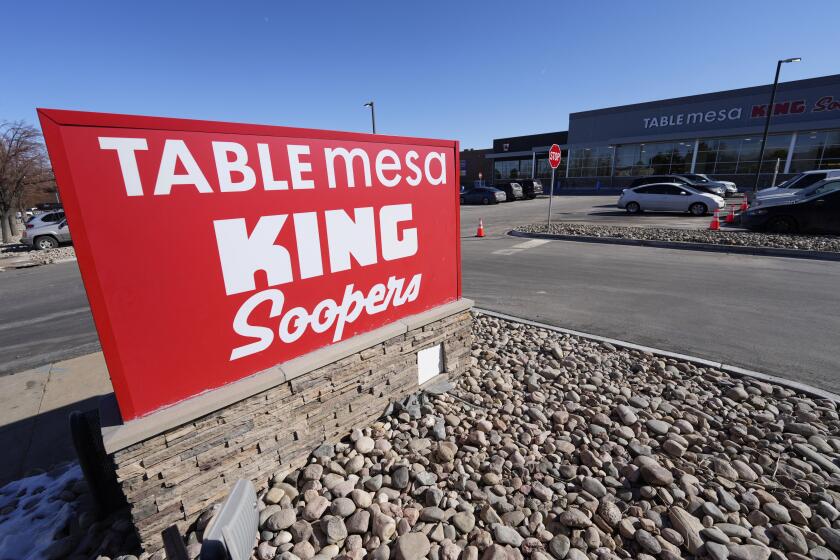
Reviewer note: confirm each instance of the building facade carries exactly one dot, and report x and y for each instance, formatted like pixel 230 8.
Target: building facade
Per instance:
pixel 717 133
pixel 475 166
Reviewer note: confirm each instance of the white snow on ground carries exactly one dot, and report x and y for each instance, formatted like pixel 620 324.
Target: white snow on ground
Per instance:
pixel 31 512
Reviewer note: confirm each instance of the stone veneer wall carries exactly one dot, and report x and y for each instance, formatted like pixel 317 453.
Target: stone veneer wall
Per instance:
pixel 170 478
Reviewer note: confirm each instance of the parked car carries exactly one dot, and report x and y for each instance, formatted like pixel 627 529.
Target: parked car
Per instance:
pixel 45 218
pixel 669 197
pixel 797 182
pixel 482 195
pixel 512 189
pixel 718 190
pixel 531 187
pixel 45 235
pixel 731 188
pixel 819 213
pixel 824 186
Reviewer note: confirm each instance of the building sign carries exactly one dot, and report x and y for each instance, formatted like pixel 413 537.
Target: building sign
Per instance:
pixel 697 117
pixel 212 251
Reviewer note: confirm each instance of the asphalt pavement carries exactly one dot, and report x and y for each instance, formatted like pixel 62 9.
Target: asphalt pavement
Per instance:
pixel 770 314
pixel 776 315
pixel 44 317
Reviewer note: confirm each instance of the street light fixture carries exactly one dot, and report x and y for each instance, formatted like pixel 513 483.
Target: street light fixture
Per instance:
pixel 372 115
pixel 769 114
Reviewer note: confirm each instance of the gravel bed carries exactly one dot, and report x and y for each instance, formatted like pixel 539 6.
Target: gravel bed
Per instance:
pixel 51 255
pixel 552 447
pixel 826 243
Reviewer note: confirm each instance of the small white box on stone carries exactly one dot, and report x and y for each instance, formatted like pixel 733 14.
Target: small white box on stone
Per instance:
pixel 429 363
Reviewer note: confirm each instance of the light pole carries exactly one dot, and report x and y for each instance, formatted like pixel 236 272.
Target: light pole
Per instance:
pixel 767 120
pixel 372 115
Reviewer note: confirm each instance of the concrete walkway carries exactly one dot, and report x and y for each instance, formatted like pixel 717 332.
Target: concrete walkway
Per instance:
pixel 34 408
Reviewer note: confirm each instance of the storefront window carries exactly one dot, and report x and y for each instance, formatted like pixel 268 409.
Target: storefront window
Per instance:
pixel 591 162
pixel 525 168
pixel 831 152
pixel 506 169
pixel 682 155
pixel 544 169
pixel 722 156
pixel 513 169
pixel 816 150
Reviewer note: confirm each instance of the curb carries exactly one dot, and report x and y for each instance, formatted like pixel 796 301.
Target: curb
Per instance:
pixel 734 370
pixel 31 264
pixel 708 247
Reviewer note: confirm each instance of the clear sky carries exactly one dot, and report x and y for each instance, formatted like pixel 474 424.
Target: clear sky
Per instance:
pixel 469 71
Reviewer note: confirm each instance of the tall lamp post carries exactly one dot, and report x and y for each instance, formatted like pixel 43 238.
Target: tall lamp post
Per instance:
pixel 372 115
pixel 767 120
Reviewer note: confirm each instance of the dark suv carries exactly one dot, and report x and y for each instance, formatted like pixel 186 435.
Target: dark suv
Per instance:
pixel 531 187
pixel 702 187
pixel 513 189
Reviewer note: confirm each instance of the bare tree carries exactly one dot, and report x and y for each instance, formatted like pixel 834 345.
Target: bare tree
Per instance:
pixel 24 166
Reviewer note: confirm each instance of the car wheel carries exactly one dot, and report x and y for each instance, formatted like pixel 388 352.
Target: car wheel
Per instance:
pixel 463 200
pixel 781 224
pixel 633 208
pixel 485 200
pixel 46 242
pixel 698 209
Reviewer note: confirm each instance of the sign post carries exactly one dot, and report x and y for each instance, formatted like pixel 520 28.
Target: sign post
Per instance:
pixel 554 162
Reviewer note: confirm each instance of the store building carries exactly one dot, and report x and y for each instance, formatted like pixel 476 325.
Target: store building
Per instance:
pixel 475 166
pixel 716 133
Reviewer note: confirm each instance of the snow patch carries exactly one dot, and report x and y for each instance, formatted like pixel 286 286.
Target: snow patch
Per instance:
pixel 36 513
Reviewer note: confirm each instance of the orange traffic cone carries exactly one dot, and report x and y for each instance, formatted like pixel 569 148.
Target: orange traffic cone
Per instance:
pixel 480 232
pixel 744 204
pixel 715 225
pixel 730 218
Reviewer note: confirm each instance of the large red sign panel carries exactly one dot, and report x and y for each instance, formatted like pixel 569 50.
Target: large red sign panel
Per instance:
pixel 212 251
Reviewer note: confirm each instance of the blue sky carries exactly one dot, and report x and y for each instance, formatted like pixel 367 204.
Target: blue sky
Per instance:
pixel 469 71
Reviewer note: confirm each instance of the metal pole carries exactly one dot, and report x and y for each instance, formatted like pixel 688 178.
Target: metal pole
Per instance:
pixel 550 196
pixel 767 125
pixel 372 118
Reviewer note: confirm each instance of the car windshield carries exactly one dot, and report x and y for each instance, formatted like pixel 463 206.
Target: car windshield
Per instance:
pixel 698 178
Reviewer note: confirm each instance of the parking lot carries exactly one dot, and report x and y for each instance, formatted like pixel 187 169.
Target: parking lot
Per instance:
pixel 600 209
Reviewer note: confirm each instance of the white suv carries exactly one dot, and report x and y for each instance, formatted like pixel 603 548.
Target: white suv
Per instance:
pixel 797 182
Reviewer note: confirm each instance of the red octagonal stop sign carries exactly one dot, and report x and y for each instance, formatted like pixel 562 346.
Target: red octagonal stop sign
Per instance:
pixel 554 156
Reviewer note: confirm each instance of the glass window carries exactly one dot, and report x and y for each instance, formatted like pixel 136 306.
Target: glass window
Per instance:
pixel 683 153
pixel 671 190
pixel 591 162
pixel 727 155
pixel 544 169
pixel 816 150
pixel 506 169
pixel 645 190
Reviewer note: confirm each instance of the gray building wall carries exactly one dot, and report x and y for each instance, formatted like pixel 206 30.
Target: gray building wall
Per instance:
pixel 802 104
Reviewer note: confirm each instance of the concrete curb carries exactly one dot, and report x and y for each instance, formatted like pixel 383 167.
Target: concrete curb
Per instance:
pixel 30 264
pixel 709 247
pixel 734 370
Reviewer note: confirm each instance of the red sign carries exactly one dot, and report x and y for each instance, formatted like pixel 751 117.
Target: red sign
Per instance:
pixel 212 251
pixel 554 156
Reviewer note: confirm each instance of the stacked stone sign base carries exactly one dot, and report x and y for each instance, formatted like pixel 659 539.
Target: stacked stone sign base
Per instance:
pixel 174 474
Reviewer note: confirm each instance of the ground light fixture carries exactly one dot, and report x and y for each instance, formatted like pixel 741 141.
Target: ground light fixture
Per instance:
pixel 767 120
pixel 372 116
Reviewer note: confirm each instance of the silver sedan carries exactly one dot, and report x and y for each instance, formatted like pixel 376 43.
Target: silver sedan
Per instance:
pixel 669 197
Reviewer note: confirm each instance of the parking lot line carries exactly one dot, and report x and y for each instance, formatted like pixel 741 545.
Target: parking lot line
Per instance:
pixel 522 247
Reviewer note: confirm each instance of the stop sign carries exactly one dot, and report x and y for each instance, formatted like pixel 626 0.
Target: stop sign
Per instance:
pixel 554 156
